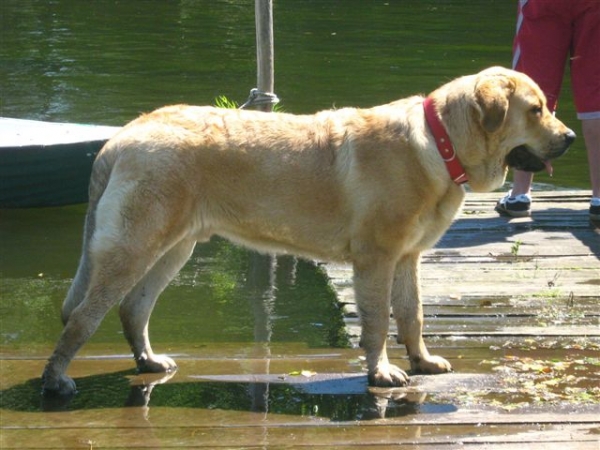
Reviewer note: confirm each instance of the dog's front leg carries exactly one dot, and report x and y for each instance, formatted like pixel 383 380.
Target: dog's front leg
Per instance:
pixel 372 287
pixel 408 312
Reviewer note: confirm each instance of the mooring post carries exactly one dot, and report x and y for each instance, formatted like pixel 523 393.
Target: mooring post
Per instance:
pixel 263 267
pixel 264 49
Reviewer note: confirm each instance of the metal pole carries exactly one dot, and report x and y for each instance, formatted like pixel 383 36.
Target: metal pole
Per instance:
pixel 264 49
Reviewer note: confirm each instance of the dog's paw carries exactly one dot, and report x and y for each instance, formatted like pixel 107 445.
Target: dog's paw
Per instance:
pixel 61 386
pixel 431 365
pixel 156 364
pixel 391 376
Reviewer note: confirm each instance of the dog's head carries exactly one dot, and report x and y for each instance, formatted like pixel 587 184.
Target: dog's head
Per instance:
pixel 511 106
pixel 510 126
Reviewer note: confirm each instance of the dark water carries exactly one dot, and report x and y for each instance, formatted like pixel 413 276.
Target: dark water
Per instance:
pixel 107 61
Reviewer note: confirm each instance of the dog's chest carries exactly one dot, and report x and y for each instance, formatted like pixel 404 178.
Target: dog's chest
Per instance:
pixel 434 222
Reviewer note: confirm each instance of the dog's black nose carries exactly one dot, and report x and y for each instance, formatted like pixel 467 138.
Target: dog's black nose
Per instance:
pixel 570 137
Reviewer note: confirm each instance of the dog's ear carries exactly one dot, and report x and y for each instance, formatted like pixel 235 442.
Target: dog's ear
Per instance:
pixel 491 95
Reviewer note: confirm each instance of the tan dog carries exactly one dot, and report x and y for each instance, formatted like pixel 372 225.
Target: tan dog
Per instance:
pixel 366 186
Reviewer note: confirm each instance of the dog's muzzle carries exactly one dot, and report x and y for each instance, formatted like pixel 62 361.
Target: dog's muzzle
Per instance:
pixel 523 158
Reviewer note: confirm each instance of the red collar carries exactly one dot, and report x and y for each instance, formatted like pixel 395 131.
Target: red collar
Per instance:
pixel 444 145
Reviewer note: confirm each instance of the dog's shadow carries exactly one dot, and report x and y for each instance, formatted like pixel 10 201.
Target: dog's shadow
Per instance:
pixel 345 397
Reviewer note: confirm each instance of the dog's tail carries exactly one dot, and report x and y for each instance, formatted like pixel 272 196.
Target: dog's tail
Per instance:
pixel 101 171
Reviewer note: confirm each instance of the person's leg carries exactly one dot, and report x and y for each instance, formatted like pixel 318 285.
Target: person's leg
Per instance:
pixel 521 183
pixel 540 50
pixel 585 73
pixel 542 43
pixel 591 135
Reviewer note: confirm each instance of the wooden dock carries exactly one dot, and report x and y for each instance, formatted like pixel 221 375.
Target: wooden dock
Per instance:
pixel 513 304
pixel 519 298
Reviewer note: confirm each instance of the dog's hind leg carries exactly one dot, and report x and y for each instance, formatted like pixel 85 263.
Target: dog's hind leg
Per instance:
pixel 124 247
pixel 137 306
pixel 81 281
pixel 112 277
pixel 408 312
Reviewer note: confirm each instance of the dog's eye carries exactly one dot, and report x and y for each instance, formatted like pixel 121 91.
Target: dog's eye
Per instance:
pixel 537 110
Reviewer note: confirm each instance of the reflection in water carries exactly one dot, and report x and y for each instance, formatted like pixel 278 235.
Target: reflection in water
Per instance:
pixel 343 397
pixel 263 300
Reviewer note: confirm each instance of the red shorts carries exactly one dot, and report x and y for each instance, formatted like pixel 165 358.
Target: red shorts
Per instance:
pixel 550 31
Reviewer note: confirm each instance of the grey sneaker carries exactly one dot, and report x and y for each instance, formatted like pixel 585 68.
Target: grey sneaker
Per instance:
pixel 518 206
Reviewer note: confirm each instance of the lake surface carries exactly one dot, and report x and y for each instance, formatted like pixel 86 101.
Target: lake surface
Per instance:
pixel 105 62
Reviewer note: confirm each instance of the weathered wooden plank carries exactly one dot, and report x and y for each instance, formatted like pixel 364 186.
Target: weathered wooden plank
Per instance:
pixel 524 436
pixel 542 303
pixel 551 259
pixel 431 329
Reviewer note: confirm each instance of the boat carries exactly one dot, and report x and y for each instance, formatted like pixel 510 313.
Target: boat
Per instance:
pixel 46 164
